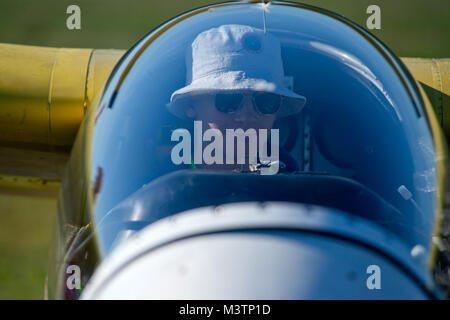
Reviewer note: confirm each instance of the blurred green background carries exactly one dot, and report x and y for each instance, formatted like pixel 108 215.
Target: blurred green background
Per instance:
pixel 411 28
pixel 416 28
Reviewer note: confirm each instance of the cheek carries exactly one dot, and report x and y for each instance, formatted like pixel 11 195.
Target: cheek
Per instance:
pixel 219 119
pixel 220 123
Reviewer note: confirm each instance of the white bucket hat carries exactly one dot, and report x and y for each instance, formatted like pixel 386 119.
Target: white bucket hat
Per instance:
pixel 235 58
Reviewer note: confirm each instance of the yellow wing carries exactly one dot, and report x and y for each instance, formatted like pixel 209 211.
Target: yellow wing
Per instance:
pixel 45 93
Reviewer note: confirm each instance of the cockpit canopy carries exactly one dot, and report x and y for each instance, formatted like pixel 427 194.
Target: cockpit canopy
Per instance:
pixel 359 136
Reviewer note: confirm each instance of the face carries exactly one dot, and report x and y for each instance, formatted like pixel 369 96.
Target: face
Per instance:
pixel 244 117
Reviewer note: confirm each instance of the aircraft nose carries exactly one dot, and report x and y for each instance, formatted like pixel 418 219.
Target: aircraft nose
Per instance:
pixel 281 251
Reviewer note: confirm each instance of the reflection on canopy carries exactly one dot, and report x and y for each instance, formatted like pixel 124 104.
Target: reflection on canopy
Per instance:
pixel 360 125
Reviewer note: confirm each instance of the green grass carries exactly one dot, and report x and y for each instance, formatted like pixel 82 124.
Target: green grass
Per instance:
pixel 26 225
pixel 411 28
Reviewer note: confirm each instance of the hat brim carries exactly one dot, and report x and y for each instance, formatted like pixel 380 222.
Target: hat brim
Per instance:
pixel 291 102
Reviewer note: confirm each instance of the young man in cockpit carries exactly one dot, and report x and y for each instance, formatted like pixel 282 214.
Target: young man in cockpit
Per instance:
pixel 235 82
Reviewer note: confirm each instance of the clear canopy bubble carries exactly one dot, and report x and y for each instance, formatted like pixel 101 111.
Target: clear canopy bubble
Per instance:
pixel 352 132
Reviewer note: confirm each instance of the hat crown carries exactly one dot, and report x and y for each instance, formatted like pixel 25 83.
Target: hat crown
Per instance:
pixel 242 51
pixel 235 57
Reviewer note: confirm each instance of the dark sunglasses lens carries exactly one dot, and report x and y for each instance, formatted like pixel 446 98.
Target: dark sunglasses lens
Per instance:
pixel 267 103
pixel 228 102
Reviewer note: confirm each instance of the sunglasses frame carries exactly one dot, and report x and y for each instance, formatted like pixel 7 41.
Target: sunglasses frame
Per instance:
pixel 254 104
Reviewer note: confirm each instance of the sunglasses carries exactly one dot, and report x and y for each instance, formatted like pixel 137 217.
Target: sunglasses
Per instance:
pixel 263 102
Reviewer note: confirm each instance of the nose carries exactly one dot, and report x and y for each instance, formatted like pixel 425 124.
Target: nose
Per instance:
pixel 247 112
